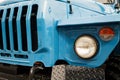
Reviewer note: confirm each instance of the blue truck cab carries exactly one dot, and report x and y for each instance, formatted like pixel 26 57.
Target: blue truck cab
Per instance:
pixel 78 32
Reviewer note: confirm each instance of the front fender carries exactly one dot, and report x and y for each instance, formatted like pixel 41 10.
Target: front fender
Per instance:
pixel 68 35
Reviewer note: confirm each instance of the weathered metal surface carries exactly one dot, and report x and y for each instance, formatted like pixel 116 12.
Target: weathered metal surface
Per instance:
pixel 62 72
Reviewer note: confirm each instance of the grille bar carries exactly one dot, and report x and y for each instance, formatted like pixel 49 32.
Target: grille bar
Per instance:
pixel 3 29
pixel 10 29
pixel 29 44
pixel 1 38
pixel 19 29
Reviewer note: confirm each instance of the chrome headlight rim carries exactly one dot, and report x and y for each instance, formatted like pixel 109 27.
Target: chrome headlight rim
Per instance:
pixel 92 37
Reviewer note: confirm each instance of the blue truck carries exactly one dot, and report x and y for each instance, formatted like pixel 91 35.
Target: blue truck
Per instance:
pixel 43 33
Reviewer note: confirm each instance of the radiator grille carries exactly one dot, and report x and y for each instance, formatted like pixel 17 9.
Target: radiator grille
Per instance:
pixel 11 27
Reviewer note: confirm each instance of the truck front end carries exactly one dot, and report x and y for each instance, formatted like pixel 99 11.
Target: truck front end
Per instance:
pixel 50 32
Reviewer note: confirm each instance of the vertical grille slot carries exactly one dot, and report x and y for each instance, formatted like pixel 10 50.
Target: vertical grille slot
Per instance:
pixel 33 21
pixel 15 28
pixel 7 29
pixel 23 28
pixel 1 38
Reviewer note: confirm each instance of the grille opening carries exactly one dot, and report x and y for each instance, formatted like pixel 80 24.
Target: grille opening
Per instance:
pixel 15 28
pixel 7 29
pixel 21 56
pixel 5 54
pixel 23 28
pixel 33 21
pixel 1 38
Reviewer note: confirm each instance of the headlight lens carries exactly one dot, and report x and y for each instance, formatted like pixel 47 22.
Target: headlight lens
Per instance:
pixel 86 46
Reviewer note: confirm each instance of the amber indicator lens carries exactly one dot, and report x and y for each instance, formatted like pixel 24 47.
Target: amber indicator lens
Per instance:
pixel 106 33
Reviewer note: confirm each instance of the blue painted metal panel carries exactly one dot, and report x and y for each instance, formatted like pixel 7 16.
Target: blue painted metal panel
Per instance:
pixel 19 29
pixel 28 29
pixel 57 31
pixel 6 2
pixel 11 30
pixel 68 35
pixel 3 29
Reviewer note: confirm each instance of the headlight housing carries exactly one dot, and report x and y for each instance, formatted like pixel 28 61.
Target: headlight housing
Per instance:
pixel 86 46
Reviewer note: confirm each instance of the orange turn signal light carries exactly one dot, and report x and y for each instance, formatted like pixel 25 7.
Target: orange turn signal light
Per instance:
pixel 106 33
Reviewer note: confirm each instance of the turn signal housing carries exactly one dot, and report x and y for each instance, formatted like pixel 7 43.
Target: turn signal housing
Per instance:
pixel 106 33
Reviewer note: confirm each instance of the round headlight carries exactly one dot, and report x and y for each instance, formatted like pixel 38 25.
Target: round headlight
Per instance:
pixel 86 46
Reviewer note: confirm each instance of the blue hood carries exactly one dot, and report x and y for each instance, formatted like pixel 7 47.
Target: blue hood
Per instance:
pixel 92 5
pixel 5 2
